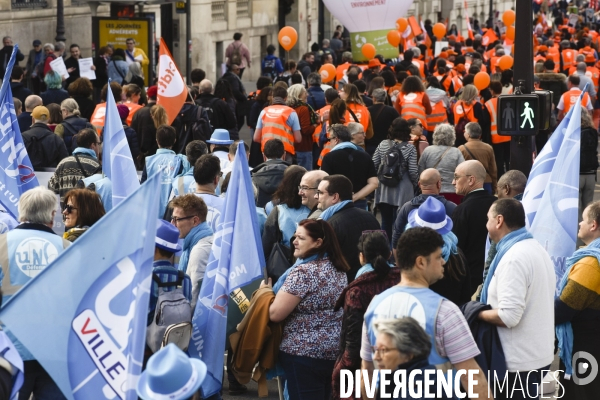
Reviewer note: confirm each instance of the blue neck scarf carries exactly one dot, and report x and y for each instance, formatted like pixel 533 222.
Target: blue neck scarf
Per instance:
pixel 201 231
pixel 344 145
pixel 325 215
pixel 367 268
pixel 83 150
pixel 503 246
pixel 450 245
pixel 564 332
pixel 299 261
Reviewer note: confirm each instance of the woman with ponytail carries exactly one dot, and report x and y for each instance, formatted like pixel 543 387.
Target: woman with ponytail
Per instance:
pixel 375 276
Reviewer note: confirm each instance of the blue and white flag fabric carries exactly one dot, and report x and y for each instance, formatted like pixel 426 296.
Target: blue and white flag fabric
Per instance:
pixel 551 197
pixel 235 260
pixel 117 162
pixel 16 171
pixel 84 316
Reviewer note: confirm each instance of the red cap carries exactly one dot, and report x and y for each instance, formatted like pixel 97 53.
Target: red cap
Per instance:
pixel 374 63
pixel 151 92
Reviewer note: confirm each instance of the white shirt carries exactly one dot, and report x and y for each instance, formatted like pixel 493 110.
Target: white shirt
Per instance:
pixel 522 290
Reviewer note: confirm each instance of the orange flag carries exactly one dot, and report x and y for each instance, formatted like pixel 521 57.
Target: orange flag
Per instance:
pixel 488 37
pixel 414 25
pixel 172 91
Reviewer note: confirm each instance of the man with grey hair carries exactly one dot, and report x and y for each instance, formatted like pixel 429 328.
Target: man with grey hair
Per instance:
pixel 45 149
pixel 59 49
pixel 307 189
pixel 219 113
pixel 24 119
pixel 25 252
pixel 316 94
pixel 470 216
pixel 382 117
pixel 511 185
pixel 585 83
pixel 5 54
pixel 475 149
pixel 357 132
pixel 327 50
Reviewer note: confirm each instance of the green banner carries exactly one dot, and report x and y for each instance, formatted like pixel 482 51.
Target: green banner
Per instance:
pixel 377 39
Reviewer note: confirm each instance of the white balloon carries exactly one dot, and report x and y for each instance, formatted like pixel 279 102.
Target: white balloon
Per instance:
pixel 368 15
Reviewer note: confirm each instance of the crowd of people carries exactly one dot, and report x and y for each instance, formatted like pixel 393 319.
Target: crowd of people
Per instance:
pixel 391 223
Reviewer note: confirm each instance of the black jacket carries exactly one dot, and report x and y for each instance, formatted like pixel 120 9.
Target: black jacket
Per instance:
pixel 470 218
pixel 267 177
pixel 402 218
pixel 316 97
pixel 219 113
pixel 486 336
pixel 71 127
pixel 305 68
pixel 5 54
pixel 382 117
pixel 86 106
pixel 349 224
pixel 54 96
pixel 20 91
pixel 556 83
pixel 143 125
pixel 355 165
pixel 25 121
pixel 237 87
pixel 51 147
pixel 589 151
pixel 101 72
pixel 72 63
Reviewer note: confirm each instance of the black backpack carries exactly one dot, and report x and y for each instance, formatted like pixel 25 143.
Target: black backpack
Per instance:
pixel 269 68
pixel 391 168
pixel 35 150
pixel 192 126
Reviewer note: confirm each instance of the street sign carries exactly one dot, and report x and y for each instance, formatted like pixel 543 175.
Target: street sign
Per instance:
pixel 518 114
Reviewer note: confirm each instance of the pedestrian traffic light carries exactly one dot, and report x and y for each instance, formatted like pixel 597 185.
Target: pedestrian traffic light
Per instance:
pixel 518 114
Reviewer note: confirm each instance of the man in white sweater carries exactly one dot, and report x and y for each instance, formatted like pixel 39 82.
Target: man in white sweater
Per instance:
pixel 520 288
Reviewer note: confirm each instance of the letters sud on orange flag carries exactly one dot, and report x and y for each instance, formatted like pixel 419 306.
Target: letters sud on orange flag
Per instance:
pixel 172 91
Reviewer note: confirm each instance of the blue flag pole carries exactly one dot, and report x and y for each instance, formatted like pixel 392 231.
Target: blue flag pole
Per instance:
pixel 84 316
pixel 16 172
pixel 236 259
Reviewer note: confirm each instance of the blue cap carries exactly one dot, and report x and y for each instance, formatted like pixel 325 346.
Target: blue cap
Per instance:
pixel 431 214
pixel 220 136
pixel 171 374
pixel 167 237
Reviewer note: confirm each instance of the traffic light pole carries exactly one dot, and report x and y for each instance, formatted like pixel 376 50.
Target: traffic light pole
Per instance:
pixel 522 147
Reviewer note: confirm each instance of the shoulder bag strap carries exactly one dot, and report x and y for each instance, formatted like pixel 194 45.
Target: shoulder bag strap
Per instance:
pixel 81 166
pixel 353 115
pixel 180 187
pixel 117 68
pixel 469 151
pixel 378 113
pixel 442 156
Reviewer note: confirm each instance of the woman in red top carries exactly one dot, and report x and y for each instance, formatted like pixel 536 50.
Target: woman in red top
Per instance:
pixel 308 121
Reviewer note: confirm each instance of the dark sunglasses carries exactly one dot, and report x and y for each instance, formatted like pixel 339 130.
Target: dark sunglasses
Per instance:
pixel 69 208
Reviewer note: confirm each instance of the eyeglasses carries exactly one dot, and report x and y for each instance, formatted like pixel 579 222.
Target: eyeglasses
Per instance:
pixel 457 177
pixel 69 208
pixel 305 188
pixel 319 193
pixel 381 350
pixel 176 220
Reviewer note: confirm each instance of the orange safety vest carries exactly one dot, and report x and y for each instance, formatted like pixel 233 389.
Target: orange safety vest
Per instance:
pixel 98 117
pixel 328 145
pixel 572 70
pixel 538 57
pixel 493 63
pixel 587 50
pixel 457 82
pixel 492 106
pixel 461 110
pixel 319 127
pixel 132 110
pixel 438 116
pixel 447 80
pixel 568 57
pixel 412 107
pixel 570 98
pixel 594 74
pixel 421 66
pixel 362 114
pixel 274 126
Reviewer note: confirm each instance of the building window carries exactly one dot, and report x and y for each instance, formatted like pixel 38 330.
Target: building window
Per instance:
pixel 243 8
pixel 23 4
pixel 219 10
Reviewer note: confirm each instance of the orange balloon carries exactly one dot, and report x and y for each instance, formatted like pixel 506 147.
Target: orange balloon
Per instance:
pixel 439 30
pixel 287 37
pixel 327 72
pixel 505 62
pixel 368 51
pixel 481 80
pixel 401 25
pixel 510 32
pixel 393 38
pixel 508 17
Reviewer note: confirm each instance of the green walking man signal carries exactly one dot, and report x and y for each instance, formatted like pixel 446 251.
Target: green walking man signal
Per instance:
pixel 524 114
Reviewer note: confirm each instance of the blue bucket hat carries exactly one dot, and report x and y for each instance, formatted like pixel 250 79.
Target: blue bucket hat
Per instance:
pixel 171 374
pixel 220 136
pixel 431 214
pixel 167 237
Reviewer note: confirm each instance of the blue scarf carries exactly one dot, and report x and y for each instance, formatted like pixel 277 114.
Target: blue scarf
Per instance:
pixel 564 332
pixel 367 268
pixel 503 246
pixel 283 277
pixel 201 231
pixel 450 245
pixel 325 215
pixel 344 145
pixel 83 150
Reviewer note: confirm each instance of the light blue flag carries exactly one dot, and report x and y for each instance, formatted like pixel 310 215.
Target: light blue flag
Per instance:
pixel 84 316
pixel 235 260
pixel 117 162
pixel 16 171
pixel 551 197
